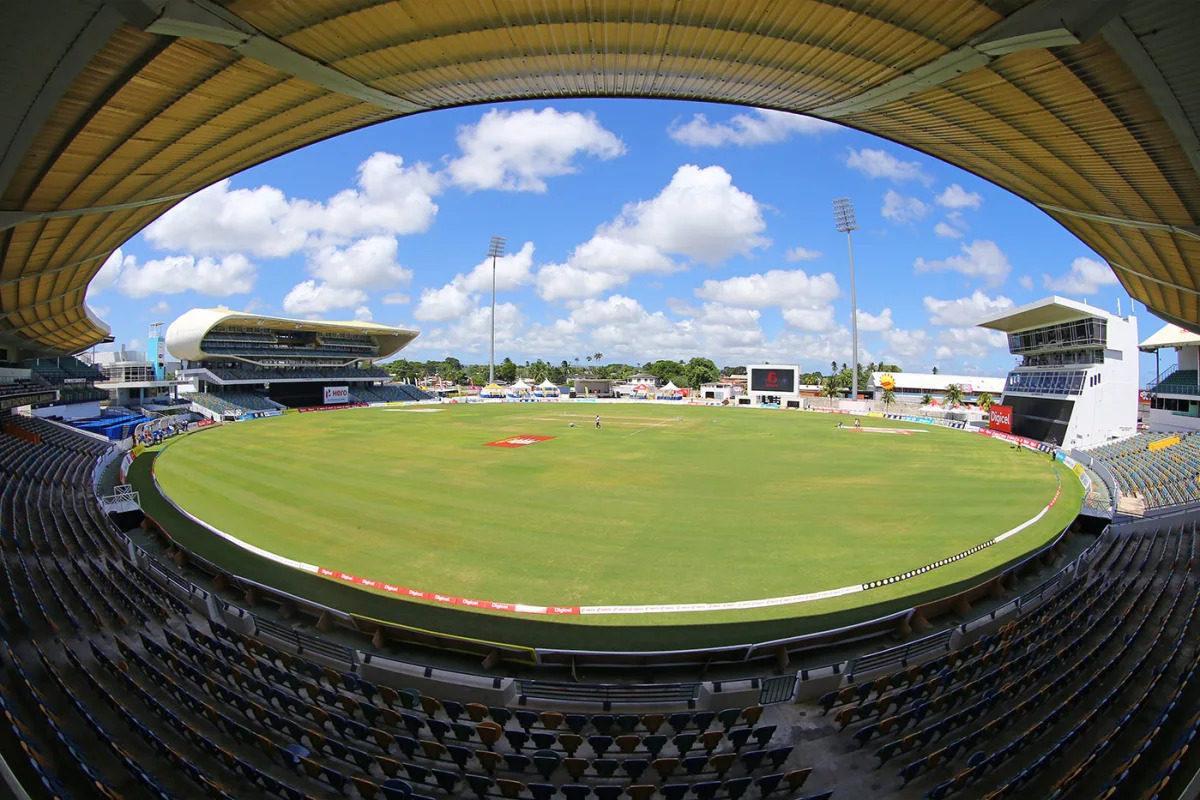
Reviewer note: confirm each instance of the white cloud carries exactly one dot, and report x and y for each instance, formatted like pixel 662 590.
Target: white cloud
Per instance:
pixel 390 199
pixel 681 308
pixel 160 308
pixel 965 311
pixel 512 271
pixel 783 288
pixel 606 253
pixel 700 214
pixel 366 264
pixel 759 126
pixel 109 272
pixel 977 343
pixel 947 231
pixel 1087 275
pixel 310 297
pixel 219 219
pixel 517 150
pixel 881 164
pixel 233 274
pixel 566 282
pixel 906 343
pixel 902 209
pixel 1026 282
pixel 363 314
pixel 872 322
pixel 982 258
pixel 471 332
pixel 396 299
pixel 444 304
pixel 801 254
pixel 814 320
pixel 955 196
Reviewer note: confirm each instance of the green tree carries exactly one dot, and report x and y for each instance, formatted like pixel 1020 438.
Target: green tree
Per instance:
pixel 665 371
pixel 833 368
pixel 954 395
pixel 985 401
pixel 926 399
pixel 701 370
pixel 889 397
pixel 830 387
pixel 935 370
pixel 539 371
pixel 507 370
pixel 597 356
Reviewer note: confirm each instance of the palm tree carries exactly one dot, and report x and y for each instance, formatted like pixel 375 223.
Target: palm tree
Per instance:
pixel 954 395
pixel 935 370
pixel 985 401
pixel 926 399
pixel 597 356
pixel 833 368
pixel 829 388
pixel 889 397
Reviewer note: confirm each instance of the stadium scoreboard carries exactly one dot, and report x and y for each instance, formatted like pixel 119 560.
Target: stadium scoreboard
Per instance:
pixel 773 383
pixel 777 380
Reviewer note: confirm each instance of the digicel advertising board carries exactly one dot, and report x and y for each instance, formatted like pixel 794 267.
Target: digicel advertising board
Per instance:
pixel 1000 418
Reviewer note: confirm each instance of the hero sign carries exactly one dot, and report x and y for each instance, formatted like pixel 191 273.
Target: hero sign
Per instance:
pixel 1000 418
pixel 337 394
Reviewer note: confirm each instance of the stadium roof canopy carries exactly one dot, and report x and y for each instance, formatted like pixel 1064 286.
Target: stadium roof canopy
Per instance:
pixel 117 109
pixel 1047 311
pixel 1169 336
pixel 185 334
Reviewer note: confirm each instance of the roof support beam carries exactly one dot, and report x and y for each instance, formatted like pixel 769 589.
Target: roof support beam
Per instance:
pixel 1153 279
pixel 1130 49
pixel 207 21
pixel 11 219
pixel 1041 24
pixel 33 276
pixel 1183 230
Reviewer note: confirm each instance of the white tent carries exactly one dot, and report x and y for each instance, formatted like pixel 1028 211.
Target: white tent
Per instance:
pixel 669 388
pixel 547 384
pixel 546 389
pixel 520 386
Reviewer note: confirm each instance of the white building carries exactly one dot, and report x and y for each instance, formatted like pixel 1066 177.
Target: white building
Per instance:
pixel 912 386
pixel 132 378
pixel 1077 382
pixel 1175 391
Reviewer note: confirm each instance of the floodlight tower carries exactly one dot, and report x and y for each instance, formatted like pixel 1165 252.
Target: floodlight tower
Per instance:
pixel 843 218
pixel 495 250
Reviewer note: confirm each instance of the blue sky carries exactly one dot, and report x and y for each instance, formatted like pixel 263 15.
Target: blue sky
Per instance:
pixel 638 229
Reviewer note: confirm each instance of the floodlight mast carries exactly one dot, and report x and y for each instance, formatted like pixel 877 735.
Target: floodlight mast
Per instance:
pixel 495 250
pixel 843 217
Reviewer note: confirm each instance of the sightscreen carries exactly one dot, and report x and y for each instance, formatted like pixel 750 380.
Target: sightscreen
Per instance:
pixel 765 379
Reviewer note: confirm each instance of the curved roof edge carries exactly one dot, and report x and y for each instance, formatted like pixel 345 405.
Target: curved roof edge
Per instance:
pixel 184 335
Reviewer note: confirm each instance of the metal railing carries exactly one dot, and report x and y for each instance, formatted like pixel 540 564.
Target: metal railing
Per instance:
pixel 608 694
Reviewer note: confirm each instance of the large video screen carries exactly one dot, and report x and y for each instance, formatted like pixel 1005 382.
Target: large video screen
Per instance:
pixel 1040 418
pixel 765 379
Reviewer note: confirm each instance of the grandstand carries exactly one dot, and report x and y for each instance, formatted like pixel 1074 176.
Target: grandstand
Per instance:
pixel 240 363
pixel 129 670
pixel 119 679
pixel 1162 469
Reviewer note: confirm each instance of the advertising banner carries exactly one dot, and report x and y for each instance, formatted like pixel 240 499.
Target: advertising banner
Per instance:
pixel 337 394
pixel 303 409
pixel 1000 418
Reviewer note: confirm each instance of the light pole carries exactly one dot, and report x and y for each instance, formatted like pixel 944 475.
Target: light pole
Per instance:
pixel 843 217
pixel 495 250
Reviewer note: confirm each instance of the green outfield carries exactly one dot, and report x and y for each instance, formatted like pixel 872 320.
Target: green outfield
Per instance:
pixel 663 505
